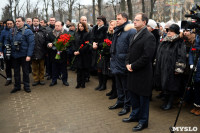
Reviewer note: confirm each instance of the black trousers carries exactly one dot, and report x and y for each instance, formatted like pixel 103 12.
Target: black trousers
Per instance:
pixel 9 68
pixel 17 63
pixel 57 69
pixel 122 90
pixel 81 73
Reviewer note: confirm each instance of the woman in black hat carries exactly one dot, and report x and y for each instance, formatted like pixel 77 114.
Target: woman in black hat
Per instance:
pixel 99 33
pixel 170 64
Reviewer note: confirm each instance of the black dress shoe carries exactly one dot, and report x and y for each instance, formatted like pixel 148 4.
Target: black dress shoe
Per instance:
pixel 140 127
pixel 53 83
pixel 28 90
pixel 116 106
pixel 66 83
pixel 109 93
pixel 78 86
pixel 83 86
pixel 113 96
pixel 8 82
pixel 35 83
pixel 124 111
pixel 15 90
pixel 130 119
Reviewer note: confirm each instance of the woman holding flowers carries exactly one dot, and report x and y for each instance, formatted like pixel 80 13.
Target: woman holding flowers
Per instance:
pixel 106 58
pixel 99 33
pixel 82 51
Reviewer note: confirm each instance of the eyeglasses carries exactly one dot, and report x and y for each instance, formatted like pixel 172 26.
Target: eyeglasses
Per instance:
pixel 136 20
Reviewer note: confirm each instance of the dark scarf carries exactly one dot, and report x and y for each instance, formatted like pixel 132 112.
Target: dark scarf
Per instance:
pixel 118 31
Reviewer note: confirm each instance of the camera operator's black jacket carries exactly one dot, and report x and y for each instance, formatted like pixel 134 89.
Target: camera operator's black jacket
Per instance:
pixel 40 43
pixel 52 51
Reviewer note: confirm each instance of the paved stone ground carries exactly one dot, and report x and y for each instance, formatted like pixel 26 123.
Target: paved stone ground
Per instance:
pixel 61 109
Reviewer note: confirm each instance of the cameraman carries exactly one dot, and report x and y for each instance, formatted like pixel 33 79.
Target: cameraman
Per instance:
pixel 22 42
pixel 6 49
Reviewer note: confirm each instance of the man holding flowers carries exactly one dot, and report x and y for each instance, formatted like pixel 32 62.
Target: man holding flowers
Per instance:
pixel 58 42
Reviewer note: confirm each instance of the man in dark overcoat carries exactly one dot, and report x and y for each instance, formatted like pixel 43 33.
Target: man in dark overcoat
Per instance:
pixel 140 75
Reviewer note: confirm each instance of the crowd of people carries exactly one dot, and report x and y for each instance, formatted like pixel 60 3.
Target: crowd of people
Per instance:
pixel 138 57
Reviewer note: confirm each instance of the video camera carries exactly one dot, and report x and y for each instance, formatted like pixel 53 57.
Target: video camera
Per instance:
pixel 194 15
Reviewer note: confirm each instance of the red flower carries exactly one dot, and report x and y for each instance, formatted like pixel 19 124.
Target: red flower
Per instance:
pixel 86 42
pixel 81 46
pixel 194 49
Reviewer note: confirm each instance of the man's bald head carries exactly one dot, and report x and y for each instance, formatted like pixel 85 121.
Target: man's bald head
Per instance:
pixel 58 26
pixel 83 19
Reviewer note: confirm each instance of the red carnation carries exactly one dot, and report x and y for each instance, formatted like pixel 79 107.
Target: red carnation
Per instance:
pixel 194 49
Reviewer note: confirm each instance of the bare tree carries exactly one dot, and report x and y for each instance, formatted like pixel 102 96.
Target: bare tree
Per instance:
pixel 93 12
pixel 70 4
pixel 15 8
pixel 20 8
pixel 60 9
pixel 28 8
pixel 143 6
pixel 99 6
pixel 123 5
pixel 53 7
pixel 46 7
pixel 130 10
pixel 152 7
pixel 6 12
pixel 114 4
pixel 10 11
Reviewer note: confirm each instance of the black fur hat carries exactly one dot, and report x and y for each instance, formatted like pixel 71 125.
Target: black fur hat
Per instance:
pixel 103 19
pixel 175 28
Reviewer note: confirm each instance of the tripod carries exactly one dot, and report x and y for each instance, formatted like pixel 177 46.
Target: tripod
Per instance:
pixel 3 76
pixel 188 85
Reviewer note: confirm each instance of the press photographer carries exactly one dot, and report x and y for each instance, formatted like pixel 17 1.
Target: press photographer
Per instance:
pixel 6 50
pixel 22 42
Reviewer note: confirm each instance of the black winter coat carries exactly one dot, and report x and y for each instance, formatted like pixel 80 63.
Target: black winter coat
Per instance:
pixel 171 58
pixel 83 60
pixel 98 36
pixel 140 56
pixel 40 48
pixel 53 51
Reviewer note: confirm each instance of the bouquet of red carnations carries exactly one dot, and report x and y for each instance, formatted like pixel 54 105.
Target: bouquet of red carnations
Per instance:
pixel 62 43
pixel 106 49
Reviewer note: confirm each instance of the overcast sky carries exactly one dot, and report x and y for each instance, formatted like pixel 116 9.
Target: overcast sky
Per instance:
pixel 5 2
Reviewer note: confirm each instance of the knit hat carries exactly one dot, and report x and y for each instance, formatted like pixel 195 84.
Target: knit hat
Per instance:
pixel 103 19
pixel 175 28
pixel 152 23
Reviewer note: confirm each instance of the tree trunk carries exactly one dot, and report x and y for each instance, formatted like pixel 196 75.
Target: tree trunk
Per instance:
pixel 143 6
pixel 152 7
pixel 130 10
pixel 99 6
pixel 53 8
pixel 10 11
pixel 122 6
pixel 93 10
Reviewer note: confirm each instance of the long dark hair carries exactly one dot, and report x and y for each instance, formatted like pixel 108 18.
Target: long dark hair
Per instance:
pixel 84 25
